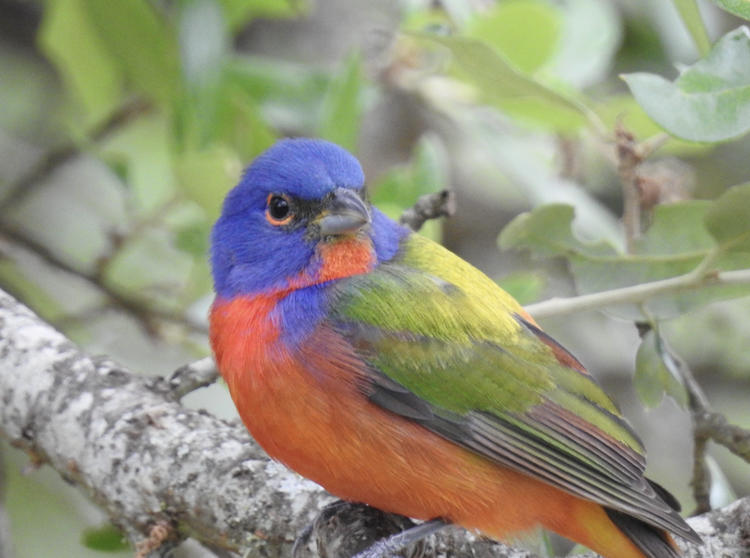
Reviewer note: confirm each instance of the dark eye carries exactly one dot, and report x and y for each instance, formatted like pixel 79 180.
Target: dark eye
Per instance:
pixel 278 209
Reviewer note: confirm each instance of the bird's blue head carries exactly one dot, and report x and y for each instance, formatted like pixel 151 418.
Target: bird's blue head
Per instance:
pixel 295 197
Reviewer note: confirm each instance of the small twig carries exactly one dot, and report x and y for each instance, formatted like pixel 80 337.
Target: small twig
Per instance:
pixel 701 479
pixel 189 378
pixel 628 159
pixel 708 425
pixel 60 155
pixel 630 154
pixel 638 293
pixel 429 206
pixel 699 406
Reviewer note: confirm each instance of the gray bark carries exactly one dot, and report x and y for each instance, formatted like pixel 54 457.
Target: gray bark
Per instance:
pixel 128 443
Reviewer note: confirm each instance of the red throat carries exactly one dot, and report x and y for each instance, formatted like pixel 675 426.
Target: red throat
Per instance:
pixel 341 257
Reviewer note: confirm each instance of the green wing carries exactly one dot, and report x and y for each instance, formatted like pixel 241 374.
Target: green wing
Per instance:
pixel 447 348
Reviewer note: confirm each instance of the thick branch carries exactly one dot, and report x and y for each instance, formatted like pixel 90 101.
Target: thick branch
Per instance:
pixel 164 472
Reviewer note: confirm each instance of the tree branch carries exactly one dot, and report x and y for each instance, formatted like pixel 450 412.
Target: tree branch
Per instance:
pixel 144 312
pixel 628 159
pixel 140 455
pixel 164 472
pixel 638 293
pixel 429 206
pixel 707 425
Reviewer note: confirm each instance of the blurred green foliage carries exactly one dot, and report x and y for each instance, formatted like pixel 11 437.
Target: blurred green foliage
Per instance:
pixel 680 238
pixel 710 100
pixel 154 107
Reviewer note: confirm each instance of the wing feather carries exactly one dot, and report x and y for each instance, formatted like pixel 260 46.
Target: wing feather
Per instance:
pixel 450 351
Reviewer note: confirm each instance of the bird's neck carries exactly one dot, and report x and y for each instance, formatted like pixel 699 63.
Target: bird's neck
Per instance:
pixel 245 327
pixel 339 258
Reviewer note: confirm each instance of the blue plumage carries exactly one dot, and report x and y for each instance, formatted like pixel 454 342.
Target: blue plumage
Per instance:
pixel 243 261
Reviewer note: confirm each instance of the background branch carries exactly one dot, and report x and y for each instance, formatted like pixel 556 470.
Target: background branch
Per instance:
pixel 637 293
pixel 707 425
pixel 144 312
pixel 55 158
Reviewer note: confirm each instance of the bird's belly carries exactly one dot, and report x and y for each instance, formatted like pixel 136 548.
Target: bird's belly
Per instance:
pixel 328 432
pixel 306 411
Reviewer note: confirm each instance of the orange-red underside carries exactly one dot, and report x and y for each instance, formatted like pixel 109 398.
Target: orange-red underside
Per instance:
pixel 308 413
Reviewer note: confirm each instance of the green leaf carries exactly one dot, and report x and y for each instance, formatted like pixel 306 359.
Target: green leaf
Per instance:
pixel 240 124
pixel 675 244
pixel 220 109
pixel 710 100
pixel 193 238
pixel 500 83
pixel 547 231
pixel 728 219
pixel 625 110
pixel 739 8
pixel 142 152
pixel 342 105
pixel 525 287
pixel 139 40
pixel 240 12
pixel 691 17
pixel 656 373
pixel 590 35
pixel 288 95
pixel 206 176
pixel 526 32
pixel 90 73
pixel 104 538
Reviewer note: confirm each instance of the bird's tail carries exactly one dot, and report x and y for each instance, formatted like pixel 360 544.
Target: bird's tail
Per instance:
pixel 652 541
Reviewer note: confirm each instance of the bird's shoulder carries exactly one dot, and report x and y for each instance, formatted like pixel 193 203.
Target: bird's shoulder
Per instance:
pixel 427 289
pixel 446 332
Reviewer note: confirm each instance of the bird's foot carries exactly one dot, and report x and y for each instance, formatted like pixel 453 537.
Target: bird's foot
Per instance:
pixel 390 546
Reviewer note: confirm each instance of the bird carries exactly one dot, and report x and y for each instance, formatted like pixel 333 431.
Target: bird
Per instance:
pixel 390 371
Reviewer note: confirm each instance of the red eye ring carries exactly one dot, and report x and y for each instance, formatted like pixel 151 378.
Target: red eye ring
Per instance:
pixel 279 209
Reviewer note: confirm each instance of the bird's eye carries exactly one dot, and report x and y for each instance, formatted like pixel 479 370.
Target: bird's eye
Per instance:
pixel 278 209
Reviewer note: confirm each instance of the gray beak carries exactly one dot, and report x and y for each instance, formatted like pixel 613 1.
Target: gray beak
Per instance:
pixel 344 213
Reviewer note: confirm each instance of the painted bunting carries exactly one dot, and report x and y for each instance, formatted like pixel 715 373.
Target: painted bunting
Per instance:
pixel 392 372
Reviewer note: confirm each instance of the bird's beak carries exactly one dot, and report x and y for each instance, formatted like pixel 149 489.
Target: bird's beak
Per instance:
pixel 344 212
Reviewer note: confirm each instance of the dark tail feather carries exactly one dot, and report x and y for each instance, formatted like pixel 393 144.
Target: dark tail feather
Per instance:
pixel 653 542
pixel 665 495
